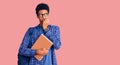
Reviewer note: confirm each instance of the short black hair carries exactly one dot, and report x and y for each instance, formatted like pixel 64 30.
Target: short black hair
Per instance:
pixel 42 6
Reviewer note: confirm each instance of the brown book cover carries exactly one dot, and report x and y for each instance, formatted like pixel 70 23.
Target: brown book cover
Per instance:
pixel 41 42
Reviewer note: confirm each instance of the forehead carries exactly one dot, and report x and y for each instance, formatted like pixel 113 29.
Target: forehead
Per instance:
pixel 43 11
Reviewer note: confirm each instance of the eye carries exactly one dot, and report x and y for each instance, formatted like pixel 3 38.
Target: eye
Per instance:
pixel 45 14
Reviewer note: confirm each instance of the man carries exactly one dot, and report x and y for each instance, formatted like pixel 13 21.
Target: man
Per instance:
pixel 50 31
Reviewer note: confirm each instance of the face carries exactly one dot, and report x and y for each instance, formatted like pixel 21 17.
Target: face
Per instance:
pixel 42 15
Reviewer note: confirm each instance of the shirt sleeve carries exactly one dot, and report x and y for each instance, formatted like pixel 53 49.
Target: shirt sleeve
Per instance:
pixel 24 50
pixel 54 35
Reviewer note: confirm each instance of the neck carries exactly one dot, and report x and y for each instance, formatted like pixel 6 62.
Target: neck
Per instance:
pixel 40 24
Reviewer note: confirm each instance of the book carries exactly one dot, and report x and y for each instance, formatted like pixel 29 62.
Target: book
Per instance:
pixel 41 42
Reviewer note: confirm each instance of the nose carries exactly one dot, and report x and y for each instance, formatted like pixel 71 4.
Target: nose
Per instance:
pixel 44 17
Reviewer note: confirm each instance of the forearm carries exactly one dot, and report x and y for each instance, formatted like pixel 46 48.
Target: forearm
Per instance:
pixel 55 38
pixel 27 51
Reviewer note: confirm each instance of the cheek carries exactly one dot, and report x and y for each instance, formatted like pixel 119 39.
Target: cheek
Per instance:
pixel 47 17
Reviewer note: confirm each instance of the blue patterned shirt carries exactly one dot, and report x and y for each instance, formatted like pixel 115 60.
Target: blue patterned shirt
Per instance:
pixel 53 33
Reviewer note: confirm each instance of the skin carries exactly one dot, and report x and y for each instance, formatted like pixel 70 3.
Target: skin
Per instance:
pixel 44 21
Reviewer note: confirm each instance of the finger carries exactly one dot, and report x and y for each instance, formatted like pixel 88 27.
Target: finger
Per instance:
pixel 44 48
